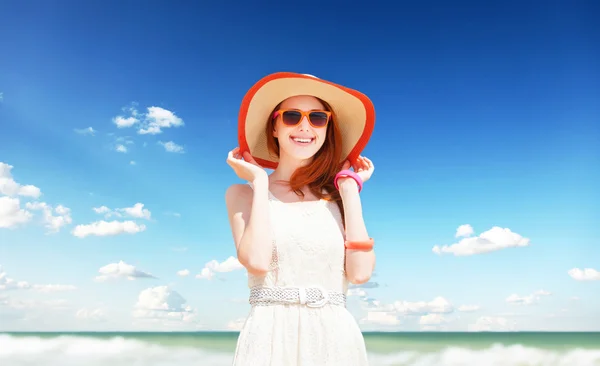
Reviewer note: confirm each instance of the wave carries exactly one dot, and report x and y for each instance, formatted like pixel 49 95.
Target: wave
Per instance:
pixel 119 351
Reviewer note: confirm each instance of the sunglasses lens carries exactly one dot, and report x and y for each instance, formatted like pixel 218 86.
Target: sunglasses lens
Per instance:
pixel 318 118
pixel 291 117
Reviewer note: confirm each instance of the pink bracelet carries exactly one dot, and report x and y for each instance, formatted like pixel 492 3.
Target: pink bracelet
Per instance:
pixel 348 174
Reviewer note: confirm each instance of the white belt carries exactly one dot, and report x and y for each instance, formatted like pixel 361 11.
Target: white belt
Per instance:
pixel 314 297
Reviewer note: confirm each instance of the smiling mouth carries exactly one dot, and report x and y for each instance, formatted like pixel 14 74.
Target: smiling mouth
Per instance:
pixel 302 140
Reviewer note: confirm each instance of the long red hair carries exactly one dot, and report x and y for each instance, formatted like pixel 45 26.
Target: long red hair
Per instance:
pixel 318 176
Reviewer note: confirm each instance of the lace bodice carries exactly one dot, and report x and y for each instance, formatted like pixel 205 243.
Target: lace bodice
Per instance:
pixel 308 246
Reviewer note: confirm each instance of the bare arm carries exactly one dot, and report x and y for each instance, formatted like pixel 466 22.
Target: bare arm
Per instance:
pixel 248 211
pixel 359 263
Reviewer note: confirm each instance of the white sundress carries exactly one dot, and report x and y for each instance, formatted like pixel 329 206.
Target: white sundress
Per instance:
pixel 308 251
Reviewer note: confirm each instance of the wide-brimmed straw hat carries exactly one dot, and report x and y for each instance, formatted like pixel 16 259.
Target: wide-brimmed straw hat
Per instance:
pixel 353 112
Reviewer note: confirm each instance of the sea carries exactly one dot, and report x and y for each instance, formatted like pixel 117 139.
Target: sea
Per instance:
pixel 216 349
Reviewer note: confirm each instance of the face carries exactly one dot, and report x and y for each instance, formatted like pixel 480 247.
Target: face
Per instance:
pixel 303 140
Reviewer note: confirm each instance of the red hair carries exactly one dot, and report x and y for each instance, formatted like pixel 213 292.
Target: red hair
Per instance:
pixel 318 176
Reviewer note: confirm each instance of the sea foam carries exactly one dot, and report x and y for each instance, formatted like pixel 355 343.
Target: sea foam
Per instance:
pixel 119 351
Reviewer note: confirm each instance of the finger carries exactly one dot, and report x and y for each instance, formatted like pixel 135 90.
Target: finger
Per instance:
pixel 346 165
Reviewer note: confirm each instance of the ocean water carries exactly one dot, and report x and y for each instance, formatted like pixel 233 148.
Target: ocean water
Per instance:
pixel 216 349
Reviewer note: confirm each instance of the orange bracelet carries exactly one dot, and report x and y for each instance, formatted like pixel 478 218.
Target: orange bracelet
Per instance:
pixel 360 245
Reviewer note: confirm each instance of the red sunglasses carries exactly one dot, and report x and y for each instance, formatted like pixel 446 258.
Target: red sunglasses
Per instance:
pixel 291 117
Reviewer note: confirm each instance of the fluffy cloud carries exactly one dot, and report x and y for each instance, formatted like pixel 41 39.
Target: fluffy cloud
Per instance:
pixel 152 122
pixel 121 270
pixel 9 187
pixel 494 239
pixel 137 211
pixel 213 267
pixel 96 315
pixel 384 318
pixel 586 274
pixel 12 214
pixel 108 228
pixel 531 299
pixel 163 304
pixel 468 308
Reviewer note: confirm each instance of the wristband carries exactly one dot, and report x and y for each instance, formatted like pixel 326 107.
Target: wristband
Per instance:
pixel 348 174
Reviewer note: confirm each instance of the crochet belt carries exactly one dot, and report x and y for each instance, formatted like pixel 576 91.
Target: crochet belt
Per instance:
pixel 314 297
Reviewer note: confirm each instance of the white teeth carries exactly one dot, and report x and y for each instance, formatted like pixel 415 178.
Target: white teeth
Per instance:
pixel 302 140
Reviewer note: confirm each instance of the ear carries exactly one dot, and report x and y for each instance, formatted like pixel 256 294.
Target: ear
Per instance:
pixel 275 132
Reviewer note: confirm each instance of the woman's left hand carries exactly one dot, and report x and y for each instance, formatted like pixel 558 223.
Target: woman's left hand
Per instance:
pixel 363 167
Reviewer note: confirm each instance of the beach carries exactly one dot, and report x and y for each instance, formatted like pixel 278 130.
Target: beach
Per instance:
pixel 216 349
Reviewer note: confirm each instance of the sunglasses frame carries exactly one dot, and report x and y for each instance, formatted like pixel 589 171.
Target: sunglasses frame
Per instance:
pixel 303 114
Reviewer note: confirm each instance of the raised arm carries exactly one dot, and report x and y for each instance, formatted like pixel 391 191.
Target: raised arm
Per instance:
pixel 249 217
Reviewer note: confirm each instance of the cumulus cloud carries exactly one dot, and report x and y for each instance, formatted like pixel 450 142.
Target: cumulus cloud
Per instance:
pixel 496 238
pixel 108 228
pixel 121 270
pixel 468 308
pixel 183 273
pixel 153 122
pixel 137 211
pixel 586 274
pixel 13 215
pixel 162 303
pixel 211 268
pixel 9 187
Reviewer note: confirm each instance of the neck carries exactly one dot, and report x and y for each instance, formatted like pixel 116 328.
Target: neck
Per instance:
pixel 286 167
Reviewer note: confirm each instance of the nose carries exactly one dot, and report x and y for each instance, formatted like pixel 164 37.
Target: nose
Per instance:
pixel 304 124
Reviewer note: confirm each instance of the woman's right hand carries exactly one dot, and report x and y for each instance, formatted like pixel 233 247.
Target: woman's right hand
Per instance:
pixel 245 166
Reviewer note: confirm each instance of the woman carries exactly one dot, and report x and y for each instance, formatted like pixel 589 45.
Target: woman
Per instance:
pixel 299 231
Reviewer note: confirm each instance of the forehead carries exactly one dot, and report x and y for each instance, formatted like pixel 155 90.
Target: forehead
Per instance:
pixel 303 102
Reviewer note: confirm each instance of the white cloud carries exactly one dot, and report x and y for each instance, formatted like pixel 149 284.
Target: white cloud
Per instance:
pixel 494 239
pixel 183 272
pixel 158 118
pixel 163 303
pixel 136 211
pixel 236 325
pixel 104 228
pixel 121 270
pixel 152 122
pixel 9 187
pixel 532 299
pixel 212 267
pixel 53 222
pixel 132 162
pixel 121 148
pixel 172 147
pixel 11 213
pixel 586 274
pixel 464 230
pixel 490 324
pixel 86 131
pixel 124 122
pixel 7 283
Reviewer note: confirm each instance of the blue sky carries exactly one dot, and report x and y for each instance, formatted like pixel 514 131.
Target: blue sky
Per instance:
pixel 487 117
